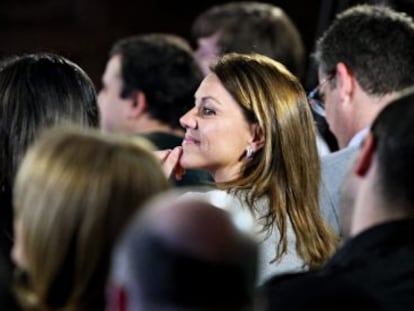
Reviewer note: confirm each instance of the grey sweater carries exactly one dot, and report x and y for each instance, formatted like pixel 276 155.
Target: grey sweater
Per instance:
pixel 248 221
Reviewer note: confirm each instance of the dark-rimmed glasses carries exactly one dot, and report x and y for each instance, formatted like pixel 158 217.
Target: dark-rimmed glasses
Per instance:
pixel 315 97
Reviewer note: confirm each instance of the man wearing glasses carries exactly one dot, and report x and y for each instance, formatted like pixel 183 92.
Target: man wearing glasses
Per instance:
pixel 373 270
pixel 364 59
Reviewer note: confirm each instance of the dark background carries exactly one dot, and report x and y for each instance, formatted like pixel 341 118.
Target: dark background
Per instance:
pixel 84 30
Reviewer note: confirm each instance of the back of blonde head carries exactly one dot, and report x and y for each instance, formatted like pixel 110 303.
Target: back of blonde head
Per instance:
pixel 74 192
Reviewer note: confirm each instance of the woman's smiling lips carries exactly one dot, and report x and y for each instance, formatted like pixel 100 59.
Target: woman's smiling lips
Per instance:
pixel 189 140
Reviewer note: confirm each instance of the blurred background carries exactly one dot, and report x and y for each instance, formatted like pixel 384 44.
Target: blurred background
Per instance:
pixel 84 30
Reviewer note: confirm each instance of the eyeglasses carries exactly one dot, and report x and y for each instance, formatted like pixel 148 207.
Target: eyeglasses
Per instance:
pixel 315 97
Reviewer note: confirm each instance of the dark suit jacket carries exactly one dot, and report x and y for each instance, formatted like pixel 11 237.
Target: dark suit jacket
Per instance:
pixel 377 264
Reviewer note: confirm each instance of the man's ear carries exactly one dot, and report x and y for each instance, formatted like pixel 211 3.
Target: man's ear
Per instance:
pixel 345 80
pixel 258 137
pixel 117 298
pixel 138 104
pixel 365 157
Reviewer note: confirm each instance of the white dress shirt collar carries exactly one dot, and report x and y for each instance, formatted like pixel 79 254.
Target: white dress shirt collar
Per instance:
pixel 358 138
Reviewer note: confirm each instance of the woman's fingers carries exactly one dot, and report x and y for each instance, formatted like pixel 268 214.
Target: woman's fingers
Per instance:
pixel 179 171
pixel 170 161
pixel 162 154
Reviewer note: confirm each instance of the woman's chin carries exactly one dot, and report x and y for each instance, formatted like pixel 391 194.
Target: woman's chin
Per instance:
pixel 187 162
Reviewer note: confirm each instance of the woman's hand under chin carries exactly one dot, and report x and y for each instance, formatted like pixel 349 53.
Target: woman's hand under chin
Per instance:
pixel 170 161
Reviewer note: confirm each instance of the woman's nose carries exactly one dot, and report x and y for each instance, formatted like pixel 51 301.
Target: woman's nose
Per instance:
pixel 188 120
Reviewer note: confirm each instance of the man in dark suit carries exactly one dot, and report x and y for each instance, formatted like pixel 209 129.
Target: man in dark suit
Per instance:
pixel 148 84
pixel 377 262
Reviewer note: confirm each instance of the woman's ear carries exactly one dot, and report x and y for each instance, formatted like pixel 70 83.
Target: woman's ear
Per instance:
pixel 258 138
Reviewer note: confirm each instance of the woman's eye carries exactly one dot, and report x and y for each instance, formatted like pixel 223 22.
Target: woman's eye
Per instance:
pixel 207 111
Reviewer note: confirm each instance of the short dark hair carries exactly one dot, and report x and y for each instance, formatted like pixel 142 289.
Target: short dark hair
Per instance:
pixel 163 67
pixel 254 27
pixel 38 91
pixel 377 45
pixel 393 131
pixel 198 259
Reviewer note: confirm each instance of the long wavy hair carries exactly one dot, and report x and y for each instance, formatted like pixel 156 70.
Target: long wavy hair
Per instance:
pixel 287 169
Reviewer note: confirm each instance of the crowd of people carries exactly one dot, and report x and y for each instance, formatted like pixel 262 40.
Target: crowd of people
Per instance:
pixel 199 179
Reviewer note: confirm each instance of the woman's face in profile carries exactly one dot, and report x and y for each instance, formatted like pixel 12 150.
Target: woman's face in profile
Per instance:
pixel 217 133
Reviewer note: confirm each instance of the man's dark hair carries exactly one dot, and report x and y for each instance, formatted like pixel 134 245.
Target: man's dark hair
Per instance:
pixel 254 27
pixel 185 254
pixel 375 43
pixel 393 131
pixel 161 66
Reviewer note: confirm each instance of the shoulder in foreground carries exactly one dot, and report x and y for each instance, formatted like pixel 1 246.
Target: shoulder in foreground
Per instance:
pixel 313 291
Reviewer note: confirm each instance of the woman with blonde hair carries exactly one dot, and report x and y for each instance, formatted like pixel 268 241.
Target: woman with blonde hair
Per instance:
pixel 252 129
pixel 74 193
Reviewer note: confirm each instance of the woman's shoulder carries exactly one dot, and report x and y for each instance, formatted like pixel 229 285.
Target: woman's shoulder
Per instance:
pixel 218 198
pixel 229 202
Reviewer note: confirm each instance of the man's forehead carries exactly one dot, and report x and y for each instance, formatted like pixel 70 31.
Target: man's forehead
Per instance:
pixel 113 68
